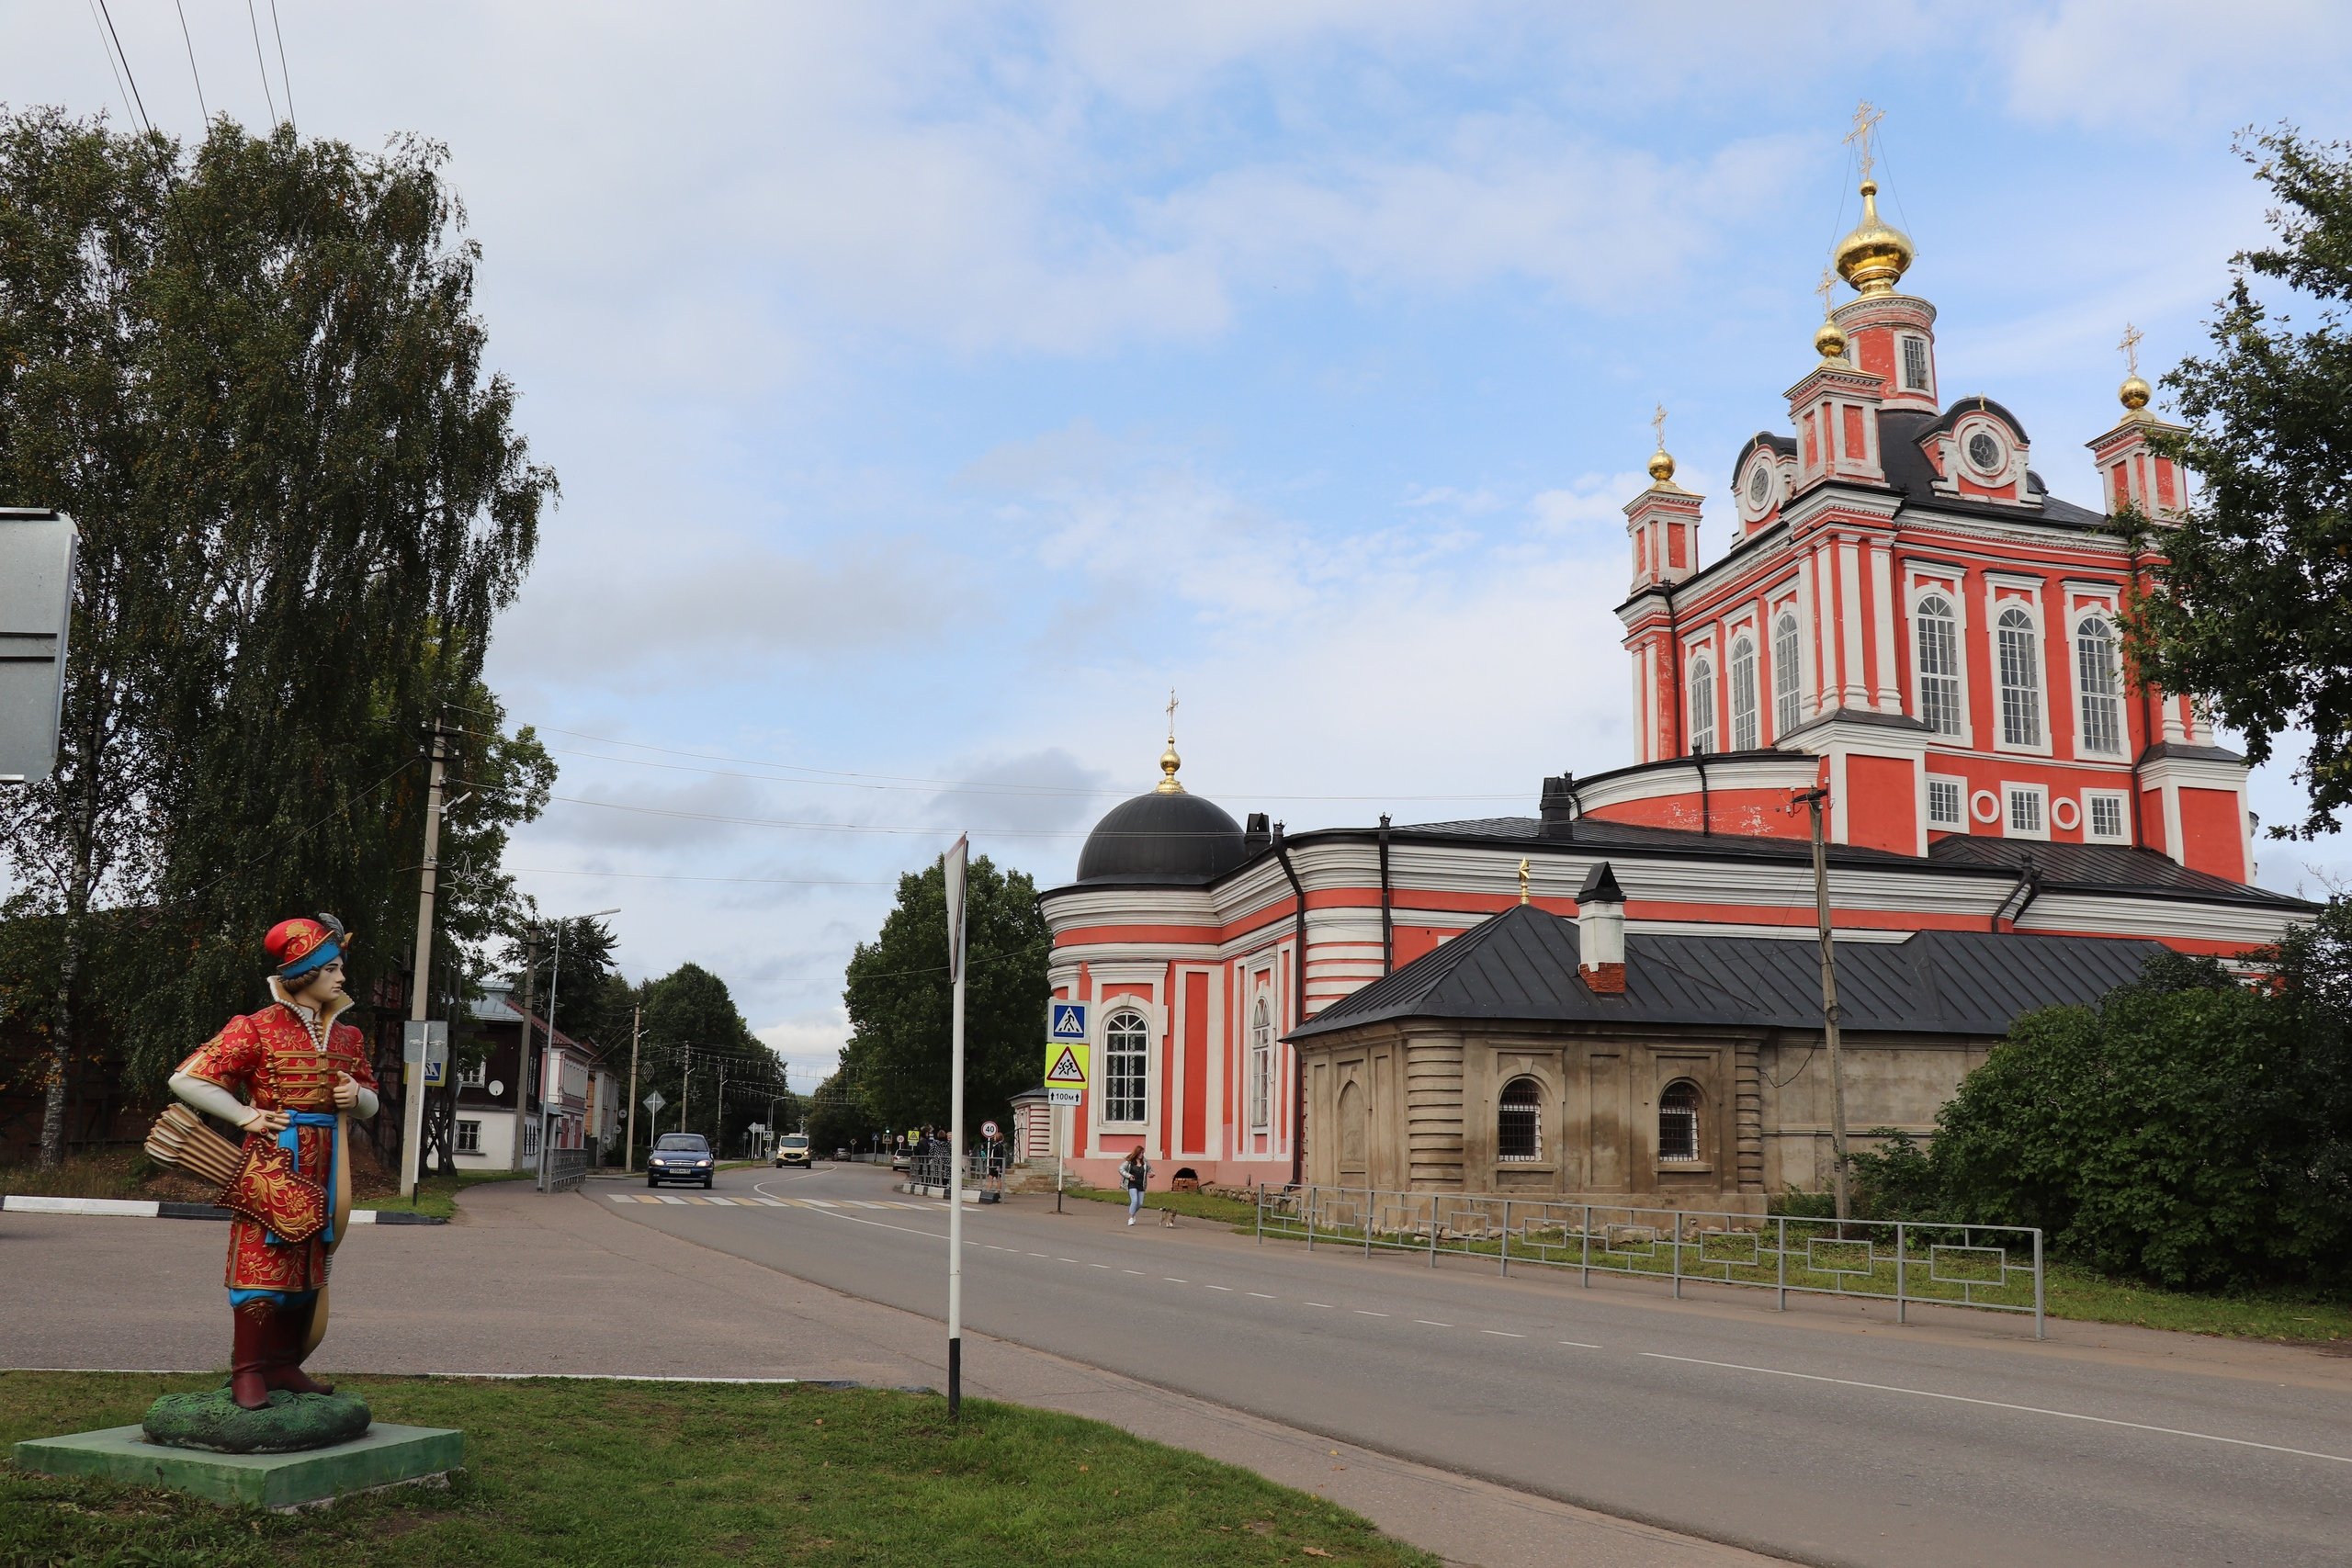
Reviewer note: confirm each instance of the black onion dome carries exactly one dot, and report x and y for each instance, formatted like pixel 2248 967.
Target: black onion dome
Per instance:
pixel 1173 838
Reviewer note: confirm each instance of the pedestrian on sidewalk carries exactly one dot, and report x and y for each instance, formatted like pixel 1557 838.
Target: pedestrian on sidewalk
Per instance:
pixel 1135 1174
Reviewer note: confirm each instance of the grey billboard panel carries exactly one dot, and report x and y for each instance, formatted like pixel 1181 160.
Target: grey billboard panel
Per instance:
pixel 36 608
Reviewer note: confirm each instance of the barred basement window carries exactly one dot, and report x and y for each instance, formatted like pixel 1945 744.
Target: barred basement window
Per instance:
pixel 1787 693
pixel 1743 695
pixel 1702 706
pixel 1519 1124
pixel 1125 1039
pixel 1936 634
pixel 2095 678
pixel 470 1137
pixel 1915 365
pixel 1943 803
pixel 2020 679
pixel 1678 1122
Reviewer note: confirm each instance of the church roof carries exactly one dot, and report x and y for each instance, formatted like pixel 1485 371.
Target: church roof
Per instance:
pixel 1521 966
pixel 1163 839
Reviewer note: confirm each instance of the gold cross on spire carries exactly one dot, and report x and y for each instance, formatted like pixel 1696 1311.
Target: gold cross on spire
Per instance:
pixel 1171 715
pixel 1168 761
pixel 1657 423
pixel 1866 120
pixel 1827 286
pixel 2130 347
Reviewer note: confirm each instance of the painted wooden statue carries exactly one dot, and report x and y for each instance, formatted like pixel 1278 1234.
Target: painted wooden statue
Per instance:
pixel 301 1075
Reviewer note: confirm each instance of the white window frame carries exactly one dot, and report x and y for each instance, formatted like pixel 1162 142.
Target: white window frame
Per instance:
pixel 1261 1062
pixel 1699 699
pixel 1747 728
pixel 475 1075
pixel 1788 684
pixel 1959 824
pixel 1904 342
pixel 2001 608
pixel 1120 1008
pixel 1920 593
pixel 2082 693
pixel 2040 796
pixel 2122 799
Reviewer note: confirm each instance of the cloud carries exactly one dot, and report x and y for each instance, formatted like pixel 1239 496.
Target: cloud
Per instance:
pixel 2170 68
pixel 1035 791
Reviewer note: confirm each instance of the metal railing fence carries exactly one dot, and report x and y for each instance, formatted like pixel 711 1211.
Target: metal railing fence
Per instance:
pixel 561 1170
pixel 1990 1267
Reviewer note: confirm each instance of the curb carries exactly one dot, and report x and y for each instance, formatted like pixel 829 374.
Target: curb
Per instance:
pixel 164 1209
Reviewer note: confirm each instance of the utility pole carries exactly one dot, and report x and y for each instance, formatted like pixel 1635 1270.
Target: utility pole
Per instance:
pixel 952 865
pixel 523 1050
pixel 719 1116
pixel 1814 798
pixel 420 987
pixel 685 1082
pixel 636 1032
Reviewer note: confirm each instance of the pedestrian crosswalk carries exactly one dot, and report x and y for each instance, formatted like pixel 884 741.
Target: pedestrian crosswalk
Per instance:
pixel 717 1203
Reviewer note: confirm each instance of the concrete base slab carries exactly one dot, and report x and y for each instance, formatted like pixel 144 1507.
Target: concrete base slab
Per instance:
pixel 388 1455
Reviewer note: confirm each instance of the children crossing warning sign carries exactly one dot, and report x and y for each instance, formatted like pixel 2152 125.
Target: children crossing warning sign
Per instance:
pixel 1065 1072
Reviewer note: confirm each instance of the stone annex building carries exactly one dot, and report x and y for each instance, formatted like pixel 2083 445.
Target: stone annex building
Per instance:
pixel 1905 616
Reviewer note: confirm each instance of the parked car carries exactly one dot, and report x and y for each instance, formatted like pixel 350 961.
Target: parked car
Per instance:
pixel 900 1157
pixel 680 1156
pixel 793 1149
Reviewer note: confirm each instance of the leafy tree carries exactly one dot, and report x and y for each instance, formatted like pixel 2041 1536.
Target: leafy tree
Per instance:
pixel 900 1001
pixel 251 371
pixel 2251 603
pixel 692 1026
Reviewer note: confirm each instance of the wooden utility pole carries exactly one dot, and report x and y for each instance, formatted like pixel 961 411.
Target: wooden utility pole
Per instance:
pixel 686 1083
pixel 420 976
pixel 636 1032
pixel 1814 798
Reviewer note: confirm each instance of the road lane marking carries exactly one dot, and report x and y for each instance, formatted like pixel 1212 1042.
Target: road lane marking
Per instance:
pixel 1037 1255
pixel 816 1202
pixel 1136 1273
pixel 1367 1311
pixel 1502 1334
pixel 1098 1265
pixel 782 1203
pixel 667 1199
pixel 1581 1344
pixel 1325 1305
pixel 1261 1295
pixel 1432 1323
pixel 2004 1404
pixel 1065 1259
pixel 1173 1280
pixel 1226 1289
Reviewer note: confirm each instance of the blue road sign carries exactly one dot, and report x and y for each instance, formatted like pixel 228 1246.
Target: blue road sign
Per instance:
pixel 1066 1021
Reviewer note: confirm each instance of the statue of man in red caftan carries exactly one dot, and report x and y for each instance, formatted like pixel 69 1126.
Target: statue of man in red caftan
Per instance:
pixel 300 1074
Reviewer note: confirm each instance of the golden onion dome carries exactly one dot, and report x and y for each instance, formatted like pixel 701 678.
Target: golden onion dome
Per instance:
pixel 2135 394
pixel 1830 341
pixel 1661 467
pixel 1874 257
pixel 1168 764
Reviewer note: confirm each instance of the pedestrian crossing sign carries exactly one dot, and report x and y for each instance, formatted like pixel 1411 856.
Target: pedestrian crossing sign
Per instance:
pixel 1066 1065
pixel 1066 1022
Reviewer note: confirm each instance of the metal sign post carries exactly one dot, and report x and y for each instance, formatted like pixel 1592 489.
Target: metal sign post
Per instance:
pixel 1066 1053
pixel 37 563
pixel 954 870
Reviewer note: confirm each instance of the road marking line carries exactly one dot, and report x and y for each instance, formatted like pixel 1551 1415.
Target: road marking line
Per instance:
pixel 1581 1344
pixel 815 1202
pixel 1325 1305
pixel 1098 1265
pixel 666 1199
pixel 1367 1311
pixel 782 1203
pixel 1037 1255
pixel 1173 1280
pixel 1226 1289
pixel 1136 1273
pixel 1065 1259
pixel 1432 1323
pixel 2004 1404
pixel 1502 1334
pixel 1259 1294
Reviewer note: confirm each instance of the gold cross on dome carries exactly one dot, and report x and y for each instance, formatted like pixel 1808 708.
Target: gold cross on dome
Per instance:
pixel 1827 286
pixel 1171 715
pixel 1866 120
pixel 1657 423
pixel 2131 347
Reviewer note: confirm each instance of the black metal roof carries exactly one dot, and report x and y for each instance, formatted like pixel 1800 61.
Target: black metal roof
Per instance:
pixel 1174 839
pixel 1520 967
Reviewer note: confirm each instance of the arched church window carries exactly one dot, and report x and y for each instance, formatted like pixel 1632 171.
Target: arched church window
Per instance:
pixel 2020 662
pixel 1787 686
pixel 1518 1122
pixel 2099 684
pixel 1262 1062
pixel 1125 1042
pixel 1678 1122
pixel 1703 704
pixel 1743 695
pixel 1937 638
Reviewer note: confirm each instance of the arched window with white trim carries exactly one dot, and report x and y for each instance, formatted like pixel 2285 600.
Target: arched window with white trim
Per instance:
pixel 1703 704
pixel 2099 687
pixel 2019 649
pixel 1262 1062
pixel 1518 1122
pixel 1788 694
pixel 1936 637
pixel 1744 718
pixel 1678 1122
pixel 1127 1039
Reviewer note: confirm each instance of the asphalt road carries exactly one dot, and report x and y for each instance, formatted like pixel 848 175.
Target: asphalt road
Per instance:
pixel 1823 1437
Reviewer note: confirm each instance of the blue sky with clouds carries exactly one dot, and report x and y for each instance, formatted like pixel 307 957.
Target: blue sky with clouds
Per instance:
pixel 934 387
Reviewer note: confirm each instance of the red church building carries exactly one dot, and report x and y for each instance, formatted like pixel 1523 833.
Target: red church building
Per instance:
pixel 1903 614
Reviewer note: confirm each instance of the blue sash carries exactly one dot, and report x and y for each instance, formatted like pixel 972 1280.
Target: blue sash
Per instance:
pixel 290 1139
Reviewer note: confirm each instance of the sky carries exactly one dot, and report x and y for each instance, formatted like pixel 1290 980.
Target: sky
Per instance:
pixel 933 387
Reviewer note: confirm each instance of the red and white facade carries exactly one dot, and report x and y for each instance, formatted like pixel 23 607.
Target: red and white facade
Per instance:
pixel 1903 614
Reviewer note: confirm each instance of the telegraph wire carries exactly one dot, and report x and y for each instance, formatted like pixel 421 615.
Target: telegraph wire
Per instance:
pixel 132 76
pixel 254 23
pixel 200 104
pixel 285 80
pixel 112 68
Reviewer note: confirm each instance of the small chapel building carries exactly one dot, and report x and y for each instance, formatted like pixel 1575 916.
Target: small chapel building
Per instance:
pixel 1904 617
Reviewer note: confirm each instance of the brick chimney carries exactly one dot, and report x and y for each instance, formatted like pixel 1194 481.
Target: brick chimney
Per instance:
pixel 1600 932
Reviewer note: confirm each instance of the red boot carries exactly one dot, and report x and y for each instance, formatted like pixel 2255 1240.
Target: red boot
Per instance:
pixel 292 1333
pixel 252 1350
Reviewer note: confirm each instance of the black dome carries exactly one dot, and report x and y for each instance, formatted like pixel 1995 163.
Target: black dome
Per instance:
pixel 1161 837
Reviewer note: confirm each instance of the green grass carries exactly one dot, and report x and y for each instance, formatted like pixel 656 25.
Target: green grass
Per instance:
pixel 2293 1315
pixel 595 1472
pixel 437 1195
pixel 1198 1205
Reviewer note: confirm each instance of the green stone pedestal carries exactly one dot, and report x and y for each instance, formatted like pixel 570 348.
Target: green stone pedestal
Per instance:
pixel 388 1455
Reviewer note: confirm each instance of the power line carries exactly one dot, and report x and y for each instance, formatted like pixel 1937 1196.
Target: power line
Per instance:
pixel 132 76
pixel 112 68
pixel 191 62
pixel 254 22
pixel 674 876
pixel 286 81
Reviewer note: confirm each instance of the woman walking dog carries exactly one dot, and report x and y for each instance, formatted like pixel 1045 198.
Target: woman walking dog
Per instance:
pixel 1135 1175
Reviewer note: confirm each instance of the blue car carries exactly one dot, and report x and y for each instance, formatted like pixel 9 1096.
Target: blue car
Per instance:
pixel 680 1156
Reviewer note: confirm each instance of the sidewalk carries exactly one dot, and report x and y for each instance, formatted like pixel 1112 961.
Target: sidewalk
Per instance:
pixel 559 1285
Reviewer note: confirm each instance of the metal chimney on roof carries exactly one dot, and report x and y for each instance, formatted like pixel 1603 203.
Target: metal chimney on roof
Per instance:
pixel 1600 932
